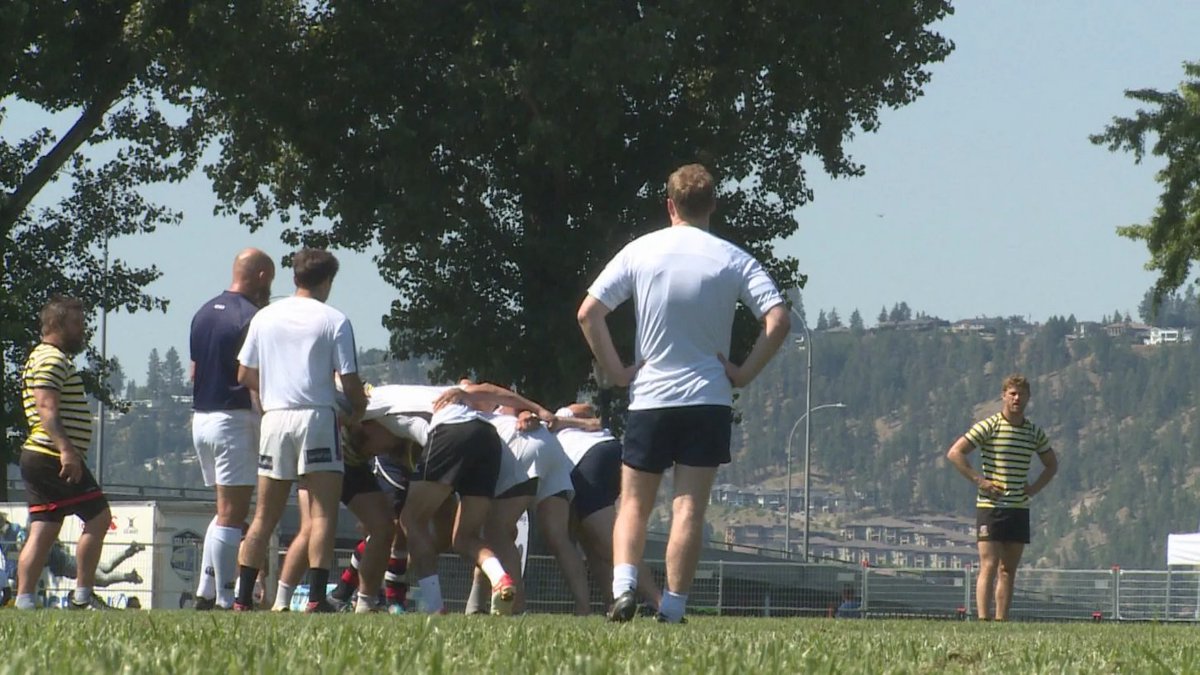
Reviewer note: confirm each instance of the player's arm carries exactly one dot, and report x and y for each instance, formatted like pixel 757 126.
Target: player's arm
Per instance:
pixel 1049 468
pixel 352 387
pixel 192 372
pixel 776 325
pixel 581 423
pixel 488 395
pixel 47 401
pixel 957 455
pixel 248 377
pixel 593 321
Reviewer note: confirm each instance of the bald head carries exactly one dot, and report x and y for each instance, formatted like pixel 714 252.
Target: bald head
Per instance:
pixel 253 272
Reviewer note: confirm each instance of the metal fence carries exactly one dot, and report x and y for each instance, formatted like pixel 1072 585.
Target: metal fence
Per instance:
pixel 161 576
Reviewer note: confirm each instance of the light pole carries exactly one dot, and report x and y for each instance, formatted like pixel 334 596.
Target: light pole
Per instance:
pixel 103 358
pixel 787 528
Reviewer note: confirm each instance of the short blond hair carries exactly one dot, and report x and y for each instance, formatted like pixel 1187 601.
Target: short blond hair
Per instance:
pixel 692 189
pixel 1015 381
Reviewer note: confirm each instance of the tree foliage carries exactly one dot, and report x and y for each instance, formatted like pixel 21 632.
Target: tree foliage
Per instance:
pixel 500 153
pixel 1172 121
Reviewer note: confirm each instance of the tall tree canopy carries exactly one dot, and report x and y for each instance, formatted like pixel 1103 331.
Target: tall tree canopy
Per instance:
pixel 1172 234
pixel 500 153
pixel 120 76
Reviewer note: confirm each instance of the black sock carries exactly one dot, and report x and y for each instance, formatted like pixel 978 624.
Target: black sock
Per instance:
pixel 246 578
pixel 318 579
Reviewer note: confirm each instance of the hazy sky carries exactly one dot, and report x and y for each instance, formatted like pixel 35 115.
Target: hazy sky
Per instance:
pixel 983 197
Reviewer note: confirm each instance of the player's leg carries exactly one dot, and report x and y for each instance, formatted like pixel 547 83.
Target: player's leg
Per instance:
pixel 647 452
pixel 693 484
pixel 985 582
pixel 374 511
pixel 1006 577
pixel 499 523
pixel 42 534
pixel 88 549
pixel 295 561
pixel 235 466
pixel 553 518
pixel 272 499
pixel 424 500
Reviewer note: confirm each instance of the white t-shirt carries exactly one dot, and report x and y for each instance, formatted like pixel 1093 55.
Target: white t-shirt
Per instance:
pixel 393 399
pixel 297 344
pixel 685 284
pixel 576 442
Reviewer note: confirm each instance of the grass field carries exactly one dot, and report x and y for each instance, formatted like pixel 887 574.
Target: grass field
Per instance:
pixel 179 642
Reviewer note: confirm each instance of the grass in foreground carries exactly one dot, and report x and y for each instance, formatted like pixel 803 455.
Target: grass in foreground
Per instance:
pixel 189 642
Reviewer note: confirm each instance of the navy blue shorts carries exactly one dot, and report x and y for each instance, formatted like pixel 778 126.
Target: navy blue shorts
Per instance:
pixel 697 435
pixel 357 479
pixel 597 478
pixel 393 478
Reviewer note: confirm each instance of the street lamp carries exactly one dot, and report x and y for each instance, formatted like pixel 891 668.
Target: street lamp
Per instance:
pixel 787 528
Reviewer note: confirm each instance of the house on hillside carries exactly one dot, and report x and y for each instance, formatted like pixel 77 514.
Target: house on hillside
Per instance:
pixel 1169 336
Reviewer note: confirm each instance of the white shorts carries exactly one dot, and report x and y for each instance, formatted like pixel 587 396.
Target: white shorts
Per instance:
pixel 226 443
pixel 518 463
pixel 554 470
pixel 298 442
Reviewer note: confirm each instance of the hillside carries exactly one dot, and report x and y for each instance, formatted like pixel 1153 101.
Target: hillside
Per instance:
pixel 1119 417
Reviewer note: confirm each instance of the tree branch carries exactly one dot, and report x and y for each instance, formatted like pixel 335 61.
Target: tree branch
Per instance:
pixel 16 202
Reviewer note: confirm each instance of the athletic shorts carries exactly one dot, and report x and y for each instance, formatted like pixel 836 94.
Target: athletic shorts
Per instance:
pixel 527 488
pixel 358 479
pixel 518 462
pixel 597 478
pixel 463 455
pixel 695 435
pixel 1003 525
pixel 226 443
pixel 298 442
pixel 50 498
pixel 554 472
pixel 392 478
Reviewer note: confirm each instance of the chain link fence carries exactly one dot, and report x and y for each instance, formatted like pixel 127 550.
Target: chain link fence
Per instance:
pixel 164 576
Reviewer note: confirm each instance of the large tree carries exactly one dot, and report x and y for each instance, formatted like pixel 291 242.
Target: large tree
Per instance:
pixel 118 77
pixel 1172 122
pixel 500 153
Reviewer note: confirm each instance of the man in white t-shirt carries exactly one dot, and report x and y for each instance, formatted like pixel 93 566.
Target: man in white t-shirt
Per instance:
pixel 686 284
pixel 292 349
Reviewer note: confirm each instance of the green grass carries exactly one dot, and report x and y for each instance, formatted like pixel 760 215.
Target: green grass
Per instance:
pixel 178 642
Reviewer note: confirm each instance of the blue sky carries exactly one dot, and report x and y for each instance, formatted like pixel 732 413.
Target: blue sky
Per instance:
pixel 983 197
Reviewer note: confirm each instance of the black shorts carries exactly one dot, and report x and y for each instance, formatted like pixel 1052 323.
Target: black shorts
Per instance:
pixel 597 478
pixel 51 498
pixel 689 435
pixel 465 456
pixel 393 478
pixel 1002 525
pixel 524 489
pixel 357 479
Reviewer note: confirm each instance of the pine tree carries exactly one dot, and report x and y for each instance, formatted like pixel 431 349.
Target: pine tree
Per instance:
pixel 174 379
pixel 155 387
pixel 822 321
pixel 883 316
pixel 856 323
pixel 835 321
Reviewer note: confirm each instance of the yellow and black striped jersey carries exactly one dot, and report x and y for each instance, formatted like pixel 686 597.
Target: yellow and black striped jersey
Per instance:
pixel 49 367
pixel 1007 452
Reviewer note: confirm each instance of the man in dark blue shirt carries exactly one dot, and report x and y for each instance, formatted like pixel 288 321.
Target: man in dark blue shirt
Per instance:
pixel 225 419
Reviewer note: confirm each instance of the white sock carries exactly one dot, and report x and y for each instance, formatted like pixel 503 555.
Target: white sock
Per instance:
pixel 283 596
pixel 226 541
pixel 479 598
pixel 207 588
pixel 624 579
pixel 431 594
pixel 673 606
pixel 26 601
pixel 363 604
pixel 82 595
pixel 493 569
